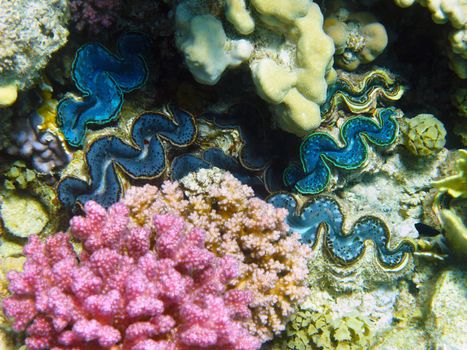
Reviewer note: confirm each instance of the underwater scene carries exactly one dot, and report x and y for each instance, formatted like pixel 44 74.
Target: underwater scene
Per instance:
pixel 233 174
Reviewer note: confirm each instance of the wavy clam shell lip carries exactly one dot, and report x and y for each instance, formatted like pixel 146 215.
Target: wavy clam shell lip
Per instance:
pixel 146 158
pixel 360 93
pixel 102 78
pixel 325 212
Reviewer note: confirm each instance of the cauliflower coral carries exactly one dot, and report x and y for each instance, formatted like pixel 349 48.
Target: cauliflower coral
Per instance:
pixel 128 290
pixel 273 264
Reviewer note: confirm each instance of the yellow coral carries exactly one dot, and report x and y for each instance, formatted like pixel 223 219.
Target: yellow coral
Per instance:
pixel 423 135
pixel 310 330
pixel 237 14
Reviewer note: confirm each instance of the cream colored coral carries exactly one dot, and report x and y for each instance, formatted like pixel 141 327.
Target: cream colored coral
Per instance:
pixel 358 37
pixel 273 264
pixel 456 184
pixel 442 11
pixel 297 93
pixel 237 14
pixel 208 51
pixel 291 63
pixel 456 232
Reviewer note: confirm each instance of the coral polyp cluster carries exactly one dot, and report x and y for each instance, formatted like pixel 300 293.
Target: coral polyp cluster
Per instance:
pixel 129 287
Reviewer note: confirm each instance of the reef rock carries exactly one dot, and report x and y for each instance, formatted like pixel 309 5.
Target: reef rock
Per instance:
pixel 30 31
pixel 448 310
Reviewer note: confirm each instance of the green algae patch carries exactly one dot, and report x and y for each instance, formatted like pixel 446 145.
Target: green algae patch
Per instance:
pixel 23 216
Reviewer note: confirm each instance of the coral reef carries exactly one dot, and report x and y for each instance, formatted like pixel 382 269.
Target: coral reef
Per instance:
pixel 291 64
pixel 360 93
pixel 272 263
pixel 102 78
pixel 30 32
pixel 345 247
pixel 146 159
pixel 299 204
pixel 127 290
pixel 314 330
pixel 357 36
pixel 317 149
pixel 423 134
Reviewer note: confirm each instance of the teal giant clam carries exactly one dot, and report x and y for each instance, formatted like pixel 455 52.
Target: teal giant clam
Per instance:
pixel 102 78
pixel 145 158
pixel 360 93
pixel 325 212
pixel 318 150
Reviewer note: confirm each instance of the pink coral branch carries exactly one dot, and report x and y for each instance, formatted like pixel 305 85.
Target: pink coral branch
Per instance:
pixel 125 292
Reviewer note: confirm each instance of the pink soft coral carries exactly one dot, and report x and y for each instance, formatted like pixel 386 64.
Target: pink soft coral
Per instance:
pixel 127 292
